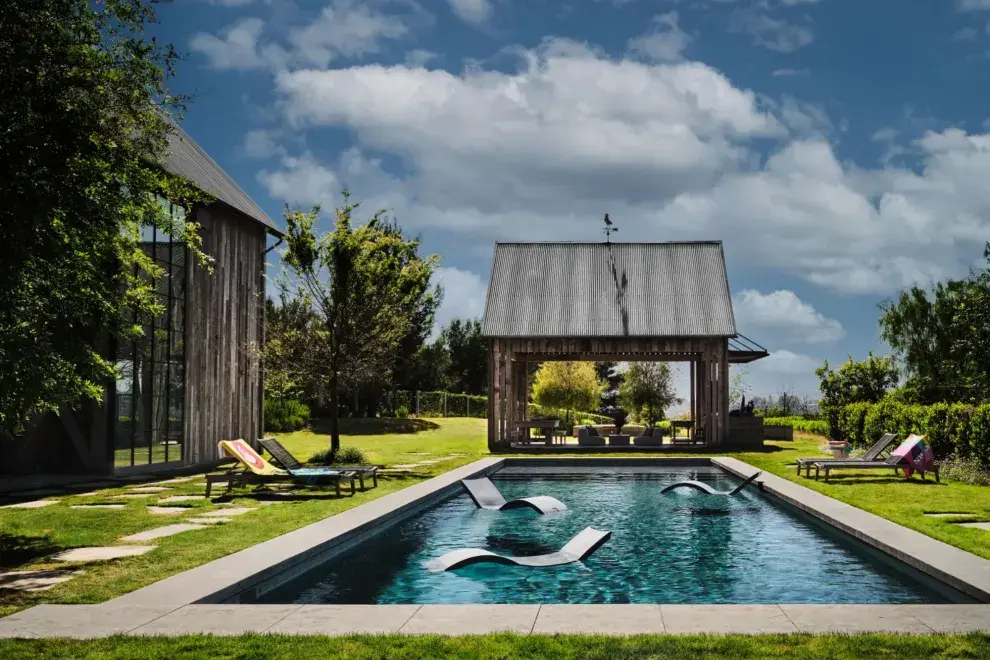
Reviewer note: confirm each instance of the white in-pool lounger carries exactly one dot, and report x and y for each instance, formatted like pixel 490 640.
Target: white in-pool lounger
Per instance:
pixel 705 488
pixel 486 496
pixel 578 548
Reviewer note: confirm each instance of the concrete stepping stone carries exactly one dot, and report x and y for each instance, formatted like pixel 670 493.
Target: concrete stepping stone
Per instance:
pixel 34 580
pixel 98 506
pixel 36 504
pixel 148 489
pixel 102 553
pixel 160 532
pixel 182 498
pixel 977 525
pixel 947 515
pixel 131 496
pixel 226 513
pixel 208 520
pixel 219 484
pixel 167 510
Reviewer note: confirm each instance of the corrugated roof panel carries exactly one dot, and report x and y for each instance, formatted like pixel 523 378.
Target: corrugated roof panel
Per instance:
pixel 609 290
pixel 187 159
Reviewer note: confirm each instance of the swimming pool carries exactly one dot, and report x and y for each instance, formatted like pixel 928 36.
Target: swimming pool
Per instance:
pixel 680 547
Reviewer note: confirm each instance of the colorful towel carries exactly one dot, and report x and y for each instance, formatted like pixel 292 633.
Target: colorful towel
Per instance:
pixel 248 457
pixel 916 455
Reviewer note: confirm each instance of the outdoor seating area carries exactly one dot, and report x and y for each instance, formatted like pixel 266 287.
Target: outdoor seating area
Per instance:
pixel 604 437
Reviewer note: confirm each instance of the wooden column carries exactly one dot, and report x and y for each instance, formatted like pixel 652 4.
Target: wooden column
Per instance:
pixel 502 395
pixel 512 400
pixel 492 396
pixel 692 365
pixel 723 372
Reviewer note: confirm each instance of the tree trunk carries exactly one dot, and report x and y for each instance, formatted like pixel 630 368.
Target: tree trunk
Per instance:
pixel 334 415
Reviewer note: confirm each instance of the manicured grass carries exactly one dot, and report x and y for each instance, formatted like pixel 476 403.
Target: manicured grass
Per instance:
pixel 27 536
pixel 503 646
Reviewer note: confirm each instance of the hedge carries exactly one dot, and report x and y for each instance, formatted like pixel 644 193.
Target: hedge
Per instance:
pixel 951 428
pixel 284 415
pixel 798 423
pixel 431 404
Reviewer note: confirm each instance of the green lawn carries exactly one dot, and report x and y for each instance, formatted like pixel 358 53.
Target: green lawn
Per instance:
pixel 29 535
pixel 505 646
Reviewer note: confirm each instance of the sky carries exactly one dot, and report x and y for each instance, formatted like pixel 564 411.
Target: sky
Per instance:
pixel 840 149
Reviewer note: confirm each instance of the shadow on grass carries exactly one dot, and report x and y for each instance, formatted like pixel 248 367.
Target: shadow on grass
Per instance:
pixel 374 426
pixel 19 550
pixel 857 480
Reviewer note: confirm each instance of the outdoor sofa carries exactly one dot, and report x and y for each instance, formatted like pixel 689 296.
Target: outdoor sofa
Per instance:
pixel 588 436
pixel 652 437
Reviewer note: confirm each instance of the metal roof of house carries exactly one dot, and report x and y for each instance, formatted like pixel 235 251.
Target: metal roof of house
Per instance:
pixel 187 159
pixel 609 290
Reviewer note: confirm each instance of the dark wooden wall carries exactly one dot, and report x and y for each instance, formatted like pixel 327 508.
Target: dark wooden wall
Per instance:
pixel 224 316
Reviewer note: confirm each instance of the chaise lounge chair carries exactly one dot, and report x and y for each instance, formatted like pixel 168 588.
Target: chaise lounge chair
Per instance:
pixel 578 548
pixel 705 488
pixel 288 462
pixel 486 496
pixel 256 470
pixel 896 461
pixel 871 455
pixel 588 436
pixel 652 437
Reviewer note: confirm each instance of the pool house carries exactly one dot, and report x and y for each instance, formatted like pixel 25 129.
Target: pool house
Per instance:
pixel 618 302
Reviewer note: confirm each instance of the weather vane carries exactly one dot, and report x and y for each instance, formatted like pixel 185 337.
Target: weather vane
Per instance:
pixel 609 229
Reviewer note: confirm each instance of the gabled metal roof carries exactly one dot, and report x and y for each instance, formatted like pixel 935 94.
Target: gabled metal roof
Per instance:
pixel 187 159
pixel 609 290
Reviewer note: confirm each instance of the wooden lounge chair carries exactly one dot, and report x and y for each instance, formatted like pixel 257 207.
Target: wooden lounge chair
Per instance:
pixel 871 455
pixel 256 470
pixel 486 496
pixel 285 458
pixel 578 548
pixel 893 462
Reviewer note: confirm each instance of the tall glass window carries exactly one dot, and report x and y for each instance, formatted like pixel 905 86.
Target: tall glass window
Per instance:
pixel 150 392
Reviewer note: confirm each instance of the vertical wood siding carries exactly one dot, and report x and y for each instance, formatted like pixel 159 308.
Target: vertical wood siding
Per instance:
pixel 224 335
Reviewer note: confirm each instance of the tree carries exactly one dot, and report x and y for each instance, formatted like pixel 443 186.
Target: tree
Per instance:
pixel 857 382
pixel 738 387
pixel 85 118
pixel 648 391
pixel 941 338
pixel 567 386
pixel 468 350
pixel 290 326
pixel 366 285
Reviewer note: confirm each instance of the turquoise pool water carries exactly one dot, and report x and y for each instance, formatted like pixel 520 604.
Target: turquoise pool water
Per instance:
pixel 679 547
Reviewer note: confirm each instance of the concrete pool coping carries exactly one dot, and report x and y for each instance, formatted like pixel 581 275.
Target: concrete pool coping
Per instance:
pixel 194 601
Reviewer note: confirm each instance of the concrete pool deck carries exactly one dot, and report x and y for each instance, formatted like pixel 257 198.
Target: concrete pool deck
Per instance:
pixel 209 598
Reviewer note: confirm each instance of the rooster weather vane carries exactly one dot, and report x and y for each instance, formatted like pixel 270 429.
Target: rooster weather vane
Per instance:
pixel 609 229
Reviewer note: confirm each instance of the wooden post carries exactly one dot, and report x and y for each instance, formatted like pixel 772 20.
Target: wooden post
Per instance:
pixel 723 413
pixel 503 393
pixel 694 413
pixel 510 397
pixel 492 395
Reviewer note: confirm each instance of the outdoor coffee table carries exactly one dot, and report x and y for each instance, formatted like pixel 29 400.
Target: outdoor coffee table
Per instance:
pixel 618 440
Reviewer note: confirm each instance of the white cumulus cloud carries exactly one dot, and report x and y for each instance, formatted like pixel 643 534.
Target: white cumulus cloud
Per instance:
pixel 664 43
pixel 474 12
pixel 782 315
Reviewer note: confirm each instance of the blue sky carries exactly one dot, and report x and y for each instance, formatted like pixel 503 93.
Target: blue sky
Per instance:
pixel 840 149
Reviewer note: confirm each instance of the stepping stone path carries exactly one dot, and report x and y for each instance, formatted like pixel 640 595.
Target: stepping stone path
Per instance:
pixel 167 510
pixel 208 520
pixel 226 513
pixel 149 489
pixel 947 515
pixel 219 484
pixel 36 504
pixel 34 580
pixel 182 498
pixel 131 496
pixel 179 480
pixel 98 506
pixel 160 532
pixel 977 525
pixel 102 553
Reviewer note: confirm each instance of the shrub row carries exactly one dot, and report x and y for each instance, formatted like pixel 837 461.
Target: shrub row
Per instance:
pixel 284 415
pixel 951 428
pixel 431 404
pixel 799 423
